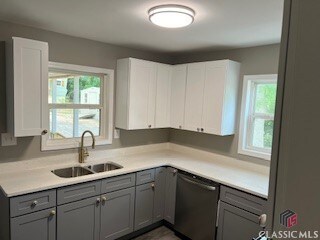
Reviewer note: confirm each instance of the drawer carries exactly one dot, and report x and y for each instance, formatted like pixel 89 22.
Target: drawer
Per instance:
pixel 243 200
pixel 78 192
pixel 145 176
pixel 32 202
pixel 117 183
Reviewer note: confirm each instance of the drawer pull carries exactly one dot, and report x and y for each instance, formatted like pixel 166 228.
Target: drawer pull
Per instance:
pixel 104 199
pixel 52 213
pixel 34 204
pixel 152 186
pixel 98 201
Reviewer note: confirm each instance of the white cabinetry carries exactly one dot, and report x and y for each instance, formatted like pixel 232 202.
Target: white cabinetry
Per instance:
pixel 178 94
pixel 198 97
pixel 142 96
pixel 211 97
pixel 162 117
pixel 27 87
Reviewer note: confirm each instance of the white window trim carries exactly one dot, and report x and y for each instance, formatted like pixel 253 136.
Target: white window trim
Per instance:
pixel 106 121
pixel 245 109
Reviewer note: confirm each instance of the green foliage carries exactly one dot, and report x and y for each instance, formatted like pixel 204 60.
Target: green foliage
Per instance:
pixel 268 133
pixel 84 83
pixel 265 98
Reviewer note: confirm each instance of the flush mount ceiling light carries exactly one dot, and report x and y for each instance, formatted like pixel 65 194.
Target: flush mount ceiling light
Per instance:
pixel 171 16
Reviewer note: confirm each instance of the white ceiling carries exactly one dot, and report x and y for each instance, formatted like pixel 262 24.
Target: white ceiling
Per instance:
pixel 219 24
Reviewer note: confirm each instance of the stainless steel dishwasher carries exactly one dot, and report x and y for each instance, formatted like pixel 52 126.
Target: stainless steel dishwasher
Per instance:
pixel 196 207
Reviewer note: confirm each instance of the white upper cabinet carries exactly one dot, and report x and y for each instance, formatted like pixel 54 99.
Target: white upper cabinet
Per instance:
pixel 211 97
pixel 198 97
pixel 178 94
pixel 220 97
pixel 194 96
pixel 136 94
pixel 27 87
pixel 162 117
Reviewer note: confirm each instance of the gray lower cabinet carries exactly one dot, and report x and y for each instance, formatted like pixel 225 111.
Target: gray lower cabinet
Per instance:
pixel 170 194
pixel 236 223
pixel 159 194
pixel 79 220
pixel 36 226
pixel 144 205
pixel 117 214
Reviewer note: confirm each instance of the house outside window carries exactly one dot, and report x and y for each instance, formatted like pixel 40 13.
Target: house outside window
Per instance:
pixel 257 115
pixel 80 98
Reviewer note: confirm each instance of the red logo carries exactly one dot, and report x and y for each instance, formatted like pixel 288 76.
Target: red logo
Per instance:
pixel 288 218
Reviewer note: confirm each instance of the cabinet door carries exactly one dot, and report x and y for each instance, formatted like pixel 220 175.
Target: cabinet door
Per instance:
pixel 79 220
pixel 159 194
pixel 36 226
pixel 235 223
pixel 117 213
pixel 178 94
pixel 144 205
pixel 30 74
pixel 213 100
pixel 142 95
pixel 162 117
pixel 194 96
pixel 170 195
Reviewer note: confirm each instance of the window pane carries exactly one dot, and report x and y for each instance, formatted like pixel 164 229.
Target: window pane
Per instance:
pixel 67 88
pixel 262 133
pixel 265 98
pixel 69 123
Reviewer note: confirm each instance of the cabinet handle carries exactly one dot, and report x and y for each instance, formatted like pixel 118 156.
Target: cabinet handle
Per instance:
pixel 202 129
pixel 44 132
pixel 34 204
pixel 104 199
pixel 263 220
pixel 198 129
pixel 52 213
pixel 152 185
pixel 149 126
pixel 98 201
pixel 175 171
pixel 180 126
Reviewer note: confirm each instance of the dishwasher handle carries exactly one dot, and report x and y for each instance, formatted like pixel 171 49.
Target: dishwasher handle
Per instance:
pixel 207 187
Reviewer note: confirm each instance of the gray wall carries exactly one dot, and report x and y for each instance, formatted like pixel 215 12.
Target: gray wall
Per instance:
pixel 255 60
pixel 72 50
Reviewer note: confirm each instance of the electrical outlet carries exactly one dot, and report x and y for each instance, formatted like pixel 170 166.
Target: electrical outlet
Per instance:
pixel 7 139
pixel 116 133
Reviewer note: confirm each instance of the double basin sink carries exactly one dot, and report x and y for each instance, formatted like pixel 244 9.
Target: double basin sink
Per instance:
pixel 78 171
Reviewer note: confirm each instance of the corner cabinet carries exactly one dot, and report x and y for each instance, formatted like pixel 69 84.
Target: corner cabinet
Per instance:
pixel 211 97
pixel 27 86
pixel 142 97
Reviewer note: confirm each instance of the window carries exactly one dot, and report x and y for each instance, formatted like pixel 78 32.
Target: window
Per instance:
pixel 257 115
pixel 79 98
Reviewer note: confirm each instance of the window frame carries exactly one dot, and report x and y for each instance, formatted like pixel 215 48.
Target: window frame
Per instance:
pixel 247 115
pixel 105 106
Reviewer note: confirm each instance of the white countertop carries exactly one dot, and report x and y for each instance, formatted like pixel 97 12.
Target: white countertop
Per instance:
pixel 34 175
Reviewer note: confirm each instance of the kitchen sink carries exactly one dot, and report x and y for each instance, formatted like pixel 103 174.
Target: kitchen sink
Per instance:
pixel 104 167
pixel 72 172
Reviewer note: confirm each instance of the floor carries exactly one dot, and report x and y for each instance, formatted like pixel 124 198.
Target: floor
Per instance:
pixel 161 233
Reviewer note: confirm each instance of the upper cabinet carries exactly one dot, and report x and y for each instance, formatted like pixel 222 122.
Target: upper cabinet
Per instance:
pixel 143 94
pixel 27 93
pixel 163 96
pixel 198 97
pixel 178 95
pixel 211 97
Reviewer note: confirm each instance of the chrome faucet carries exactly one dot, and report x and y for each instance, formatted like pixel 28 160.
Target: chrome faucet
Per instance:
pixel 83 153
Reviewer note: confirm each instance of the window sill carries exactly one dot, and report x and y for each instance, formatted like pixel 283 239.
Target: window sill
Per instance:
pixel 252 153
pixel 50 145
